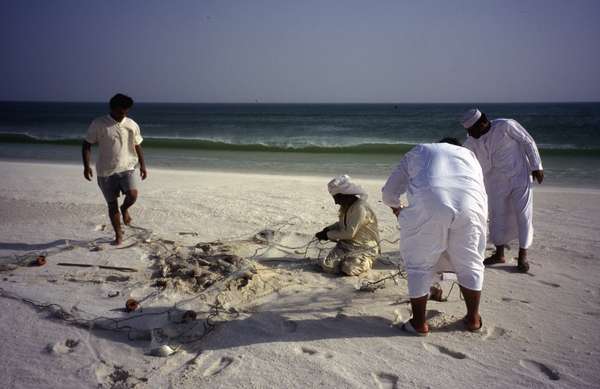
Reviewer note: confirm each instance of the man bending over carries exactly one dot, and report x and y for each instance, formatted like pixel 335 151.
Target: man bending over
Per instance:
pixel 445 218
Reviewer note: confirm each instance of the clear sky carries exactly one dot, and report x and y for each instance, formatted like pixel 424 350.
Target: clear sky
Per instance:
pixel 301 50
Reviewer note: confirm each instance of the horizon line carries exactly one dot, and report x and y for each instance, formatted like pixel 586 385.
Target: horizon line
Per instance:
pixel 305 103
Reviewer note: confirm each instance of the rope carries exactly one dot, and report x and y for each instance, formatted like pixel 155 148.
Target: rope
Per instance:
pixel 164 249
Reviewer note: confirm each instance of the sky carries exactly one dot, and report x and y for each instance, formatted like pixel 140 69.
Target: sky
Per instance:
pixel 301 51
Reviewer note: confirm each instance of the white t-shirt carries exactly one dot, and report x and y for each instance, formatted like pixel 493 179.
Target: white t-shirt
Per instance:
pixel 116 144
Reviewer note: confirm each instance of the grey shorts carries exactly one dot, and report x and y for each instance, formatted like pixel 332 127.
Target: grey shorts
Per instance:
pixel 113 185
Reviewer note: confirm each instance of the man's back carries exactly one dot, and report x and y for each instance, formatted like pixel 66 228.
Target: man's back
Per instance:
pixel 447 173
pixel 438 174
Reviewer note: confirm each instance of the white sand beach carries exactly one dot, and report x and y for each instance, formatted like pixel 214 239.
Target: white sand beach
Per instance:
pixel 275 321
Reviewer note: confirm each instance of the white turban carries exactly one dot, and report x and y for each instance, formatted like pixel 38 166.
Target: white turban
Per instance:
pixel 344 185
pixel 470 117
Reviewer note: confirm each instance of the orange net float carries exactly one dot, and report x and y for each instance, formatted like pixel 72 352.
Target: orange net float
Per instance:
pixel 40 260
pixel 131 305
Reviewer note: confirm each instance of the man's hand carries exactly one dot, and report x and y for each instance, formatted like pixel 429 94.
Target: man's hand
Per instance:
pixel 88 173
pixel 143 172
pixel 397 210
pixel 322 235
pixel 538 175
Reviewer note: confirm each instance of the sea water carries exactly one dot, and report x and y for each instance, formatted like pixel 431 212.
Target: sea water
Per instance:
pixel 364 140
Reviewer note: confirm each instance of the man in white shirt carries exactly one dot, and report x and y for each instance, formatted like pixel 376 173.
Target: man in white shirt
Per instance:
pixel 119 152
pixel 356 231
pixel 509 158
pixel 443 226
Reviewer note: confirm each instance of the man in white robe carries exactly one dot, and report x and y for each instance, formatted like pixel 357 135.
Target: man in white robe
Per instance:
pixel 356 233
pixel 509 158
pixel 445 221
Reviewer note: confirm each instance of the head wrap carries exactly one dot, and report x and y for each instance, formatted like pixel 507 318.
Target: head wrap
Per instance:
pixel 343 185
pixel 470 117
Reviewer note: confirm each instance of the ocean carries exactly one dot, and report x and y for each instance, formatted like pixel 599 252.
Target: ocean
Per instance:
pixel 363 140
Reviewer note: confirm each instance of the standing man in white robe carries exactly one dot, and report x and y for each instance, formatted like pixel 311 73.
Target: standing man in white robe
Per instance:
pixel 509 158
pixel 446 217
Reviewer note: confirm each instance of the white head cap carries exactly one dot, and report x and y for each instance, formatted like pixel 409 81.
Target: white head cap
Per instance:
pixel 344 185
pixel 470 117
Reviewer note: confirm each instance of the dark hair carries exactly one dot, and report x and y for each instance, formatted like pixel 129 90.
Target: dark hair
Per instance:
pixel 481 120
pixel 121 101
pixel 452 141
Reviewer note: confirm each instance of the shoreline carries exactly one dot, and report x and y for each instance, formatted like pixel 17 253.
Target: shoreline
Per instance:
pixel 563 186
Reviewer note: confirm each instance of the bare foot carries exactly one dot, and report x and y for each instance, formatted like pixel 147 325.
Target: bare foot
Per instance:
pixel 435 293
pixel 118 240
pixel 493 259
pixel 421 329
pixel 522 265
pixel 474 324
pixel 126 217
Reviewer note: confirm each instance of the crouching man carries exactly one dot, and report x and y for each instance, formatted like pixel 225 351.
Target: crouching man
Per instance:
pixel 356 231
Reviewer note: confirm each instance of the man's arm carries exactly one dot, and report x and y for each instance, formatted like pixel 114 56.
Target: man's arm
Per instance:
pixel 140 154
pixel 518 133
pixel 86 152
pixel 355 218
pixel 395 186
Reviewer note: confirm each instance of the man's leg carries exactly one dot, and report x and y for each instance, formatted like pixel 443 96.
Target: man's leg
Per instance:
pixel 110 189
pixel 421 248
pixel 130 198
pixel 115 220
pixel 419 308
pixel 472 297
pixel 522 263
pixel 331 263
pixel 354 265
pixel 466 248
pixel 499 207
pixel 522 199
pixel 436 292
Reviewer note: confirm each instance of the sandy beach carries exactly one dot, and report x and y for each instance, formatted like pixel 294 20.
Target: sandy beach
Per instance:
pixel 232 248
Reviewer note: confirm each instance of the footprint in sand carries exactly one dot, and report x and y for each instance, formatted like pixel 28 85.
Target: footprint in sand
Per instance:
pixel 312 352
pixel 552 284
pixel 508 299
pixel 539 367
pixel 493 333
pixel 386 380
pixel 591 313
pixel 434 348
pixel 309 351
pixel 218 366
pixel 290 326
pixel 568 277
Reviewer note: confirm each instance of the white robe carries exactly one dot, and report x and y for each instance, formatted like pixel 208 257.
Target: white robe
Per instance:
pixel 508 155
pixel 446 215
